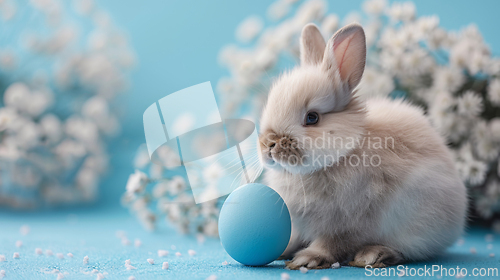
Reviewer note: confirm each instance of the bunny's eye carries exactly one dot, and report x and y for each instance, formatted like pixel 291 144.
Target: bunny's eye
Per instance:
pixel 312 118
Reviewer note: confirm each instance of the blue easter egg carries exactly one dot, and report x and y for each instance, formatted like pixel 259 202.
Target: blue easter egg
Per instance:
pixel 254 225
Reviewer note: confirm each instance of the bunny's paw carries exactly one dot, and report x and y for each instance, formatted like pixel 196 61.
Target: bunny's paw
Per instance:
pixel 377 256
pixel 310 259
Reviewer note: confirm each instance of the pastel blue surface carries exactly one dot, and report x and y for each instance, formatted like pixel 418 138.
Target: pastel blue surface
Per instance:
pixel 93 234
pixel 254 225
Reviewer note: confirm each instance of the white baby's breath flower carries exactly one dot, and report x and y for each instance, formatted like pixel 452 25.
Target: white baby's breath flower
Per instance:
pixel 173 211
pixel 87 179
pixel 82 129
pixel 329 25
pixel 459 54
pixel 470 104
pixel 83 7
pixel 498 170
pixel 475 172
pixel 426 25
pixel 156 171
pixel 168 157
pixel 393 41
pixel 493 68
pixel 465 153
pixel 375 84
pixel 141 159
pixel 62 141
pixel 312 10
pixel 417 62
pixel 211 228
pixel 8 60
pixel 494 91
pixel 249 29
pixel 375 7
pixel 228 55
pixel 51 127
pixel 402 11
pixel 7 116
pixel 95 108
pixel 494 128
pixel 28 135
pixel 448 78
pixel 137 182
pixel 17 95
pixel 176 185
pixel 484 141
pixel 9 150
pixel 97 40
pixel 438 38
pixel 493 189
pixel 481 131
pixel 486 148
pixel 265 58
pixel 160 189
pixel 484 206
pixel 210 192
pixel 372 32
pixel 477 62
pixel 8 10
pixel 226 86
pixel 469 51
pixel 147 218
pixel 213 172
pixel 278 9
pixel 352 17
pixel 40 100
pixel 443 117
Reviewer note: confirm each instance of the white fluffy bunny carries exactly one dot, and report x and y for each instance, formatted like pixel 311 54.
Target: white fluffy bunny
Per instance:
pixel 371 183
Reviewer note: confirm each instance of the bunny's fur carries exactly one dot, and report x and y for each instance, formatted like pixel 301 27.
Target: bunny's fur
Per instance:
pixel 408 203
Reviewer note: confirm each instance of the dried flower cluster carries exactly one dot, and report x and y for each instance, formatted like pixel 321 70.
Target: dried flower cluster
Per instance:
pixel 61 66
pixel 452 75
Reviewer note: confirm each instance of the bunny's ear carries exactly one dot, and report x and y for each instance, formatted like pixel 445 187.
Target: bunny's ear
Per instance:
pixel 346 54
pixel 312 45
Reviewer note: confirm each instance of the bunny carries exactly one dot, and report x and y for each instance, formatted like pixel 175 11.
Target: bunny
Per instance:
pixel 370 183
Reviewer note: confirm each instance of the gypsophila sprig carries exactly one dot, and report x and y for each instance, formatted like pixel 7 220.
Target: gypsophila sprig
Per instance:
pixel 164 192
pixel 60 73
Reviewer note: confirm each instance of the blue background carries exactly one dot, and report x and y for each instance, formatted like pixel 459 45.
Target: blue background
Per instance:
pixel 177 44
